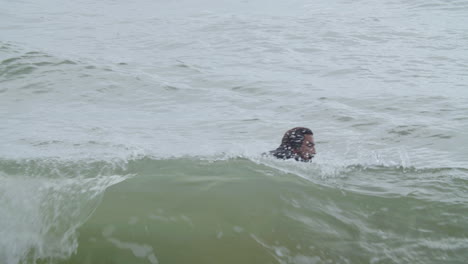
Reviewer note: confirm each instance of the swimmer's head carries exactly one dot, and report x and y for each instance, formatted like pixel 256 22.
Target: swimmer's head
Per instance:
pixel 297 143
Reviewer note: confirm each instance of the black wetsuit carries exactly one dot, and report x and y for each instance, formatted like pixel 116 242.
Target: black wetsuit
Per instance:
pixel 285 153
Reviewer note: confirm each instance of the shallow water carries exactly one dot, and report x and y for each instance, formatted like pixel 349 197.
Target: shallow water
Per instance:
pixel 133 132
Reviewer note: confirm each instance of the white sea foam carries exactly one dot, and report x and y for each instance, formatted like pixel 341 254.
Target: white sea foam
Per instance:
pixel 40 216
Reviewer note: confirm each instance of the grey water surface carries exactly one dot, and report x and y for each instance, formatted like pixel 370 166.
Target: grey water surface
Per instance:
pixel 133 131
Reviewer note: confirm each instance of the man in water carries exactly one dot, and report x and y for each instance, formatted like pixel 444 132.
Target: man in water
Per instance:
pixel 297 143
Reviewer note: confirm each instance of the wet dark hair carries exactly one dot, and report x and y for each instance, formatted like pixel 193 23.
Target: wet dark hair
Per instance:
pixel 294 137
pixel 291 141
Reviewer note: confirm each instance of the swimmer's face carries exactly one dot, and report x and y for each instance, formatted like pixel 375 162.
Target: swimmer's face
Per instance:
pixel 307 149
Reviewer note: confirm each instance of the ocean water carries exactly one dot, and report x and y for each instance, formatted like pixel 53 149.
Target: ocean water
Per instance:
pixel 133 131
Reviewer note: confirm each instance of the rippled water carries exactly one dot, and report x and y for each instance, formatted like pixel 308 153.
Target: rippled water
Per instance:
pixel 132 132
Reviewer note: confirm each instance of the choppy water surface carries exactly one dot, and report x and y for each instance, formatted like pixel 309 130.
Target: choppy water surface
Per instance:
pixel 132 132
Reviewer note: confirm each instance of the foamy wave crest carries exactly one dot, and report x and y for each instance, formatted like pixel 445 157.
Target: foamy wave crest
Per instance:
pixel 337 165
pixel 39 216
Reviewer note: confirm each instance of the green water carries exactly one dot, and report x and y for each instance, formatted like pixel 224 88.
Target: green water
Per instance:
pixel 237 211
